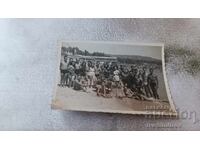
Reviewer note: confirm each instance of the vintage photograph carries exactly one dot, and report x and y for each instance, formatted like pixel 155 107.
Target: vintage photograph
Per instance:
pixel 112 77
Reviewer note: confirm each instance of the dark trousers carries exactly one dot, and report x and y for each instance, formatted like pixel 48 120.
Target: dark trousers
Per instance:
pixel 154 91
pixel 147 91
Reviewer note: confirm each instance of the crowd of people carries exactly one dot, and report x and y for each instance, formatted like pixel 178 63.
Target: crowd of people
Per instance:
pixel 109 79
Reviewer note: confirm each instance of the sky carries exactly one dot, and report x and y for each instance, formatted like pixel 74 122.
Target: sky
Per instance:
pixel 118 49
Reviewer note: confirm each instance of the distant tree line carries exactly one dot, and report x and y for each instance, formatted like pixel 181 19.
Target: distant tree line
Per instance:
pixel 136 61
pixel 76 50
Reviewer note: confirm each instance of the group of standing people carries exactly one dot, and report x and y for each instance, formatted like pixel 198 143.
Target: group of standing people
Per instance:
pixel 109 79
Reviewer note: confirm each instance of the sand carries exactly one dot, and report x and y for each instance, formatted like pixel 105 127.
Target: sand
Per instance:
pixel 69 99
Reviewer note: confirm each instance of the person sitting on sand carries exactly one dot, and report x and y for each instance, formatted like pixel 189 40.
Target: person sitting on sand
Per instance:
pixel 79 84
pixel 107 88
pixel 128 93
pixel 98 85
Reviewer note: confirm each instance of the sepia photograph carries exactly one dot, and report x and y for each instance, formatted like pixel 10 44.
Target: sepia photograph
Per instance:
pixel 112 77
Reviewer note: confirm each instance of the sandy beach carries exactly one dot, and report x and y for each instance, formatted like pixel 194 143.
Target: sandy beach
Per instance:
pixel 69 99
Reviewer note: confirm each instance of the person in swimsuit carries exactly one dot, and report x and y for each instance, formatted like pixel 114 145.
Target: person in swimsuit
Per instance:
pixel 145 83
pixel 71 74
pixel 138 85
pixel 63 71
pixel 153 83
pixel 91 75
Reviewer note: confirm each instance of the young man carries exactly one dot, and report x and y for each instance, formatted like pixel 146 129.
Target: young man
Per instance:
pixel 133 79
pixel 145 83
pixel 91 75
pixel 77 67
pixel 71 74
pixel 139 84
pixel 64 70
pixel 153 83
